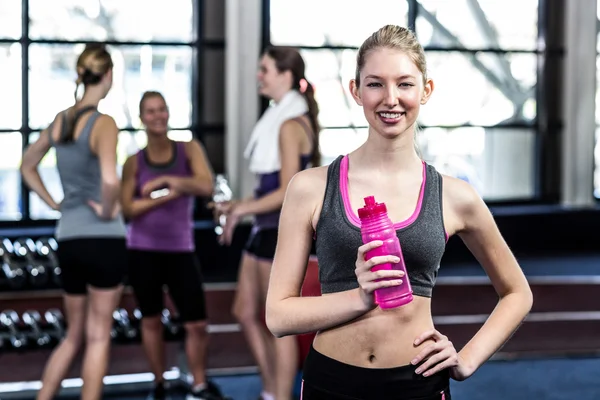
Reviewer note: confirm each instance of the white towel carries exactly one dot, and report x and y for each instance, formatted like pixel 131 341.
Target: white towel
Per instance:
pixel 263 148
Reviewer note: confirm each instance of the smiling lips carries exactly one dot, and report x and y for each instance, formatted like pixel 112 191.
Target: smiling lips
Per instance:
pixel 391 117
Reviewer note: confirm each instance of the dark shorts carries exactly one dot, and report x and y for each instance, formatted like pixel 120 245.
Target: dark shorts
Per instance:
pixel 150 271
pixel 97 262
pixel 327 379
pixel 262 243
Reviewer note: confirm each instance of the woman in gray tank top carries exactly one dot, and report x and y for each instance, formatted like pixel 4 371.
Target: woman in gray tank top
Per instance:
pixel 362 351
pixel 90 231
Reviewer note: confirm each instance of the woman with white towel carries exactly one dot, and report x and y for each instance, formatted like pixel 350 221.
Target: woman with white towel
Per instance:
pixel 283 142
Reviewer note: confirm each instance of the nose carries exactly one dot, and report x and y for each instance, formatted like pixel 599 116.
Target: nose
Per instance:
pixel 391 97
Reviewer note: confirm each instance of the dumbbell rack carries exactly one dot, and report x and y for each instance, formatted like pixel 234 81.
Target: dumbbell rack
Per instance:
pixel 128 370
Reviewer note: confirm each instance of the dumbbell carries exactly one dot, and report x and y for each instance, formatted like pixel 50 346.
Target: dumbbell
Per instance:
pixel 46 249
pixel 125 331
pixel 33 320
pixel 24 249
pixel 173 329
pixel 136 319
pixel 14 273
pixel 9 320
pixel 56 324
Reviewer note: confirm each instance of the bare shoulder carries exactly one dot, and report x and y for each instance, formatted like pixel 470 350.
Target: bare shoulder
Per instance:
pixel 130 164
pixel 306 191
pixel 192 145
pixel 291 127
pixel 462 201
pixel 308 183
pixel 106 121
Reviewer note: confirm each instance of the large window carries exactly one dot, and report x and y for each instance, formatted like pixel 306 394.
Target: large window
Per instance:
pixel 597 147
pixel 155 45
pixel 480 124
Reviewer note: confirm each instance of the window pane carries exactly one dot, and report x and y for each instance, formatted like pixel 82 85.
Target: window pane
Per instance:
pixel 137 69
pixel 478 24
pixel 330 72
pixel 10 85
pixel 597 165
pixel 11 149
pixel 49 174
pixel 336 23
pixel 10 19
pixel 133 20
pixel 480 89
pixel 335 142
pixel 598 89
pixel 479 156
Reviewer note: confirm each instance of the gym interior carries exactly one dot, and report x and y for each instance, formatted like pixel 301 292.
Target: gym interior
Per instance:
pixel 515 114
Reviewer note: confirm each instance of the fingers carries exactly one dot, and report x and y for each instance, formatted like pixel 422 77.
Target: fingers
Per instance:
pixel 370 287
pixel 437 356
pixel 378 260
pixel 368 246
pixel 431 355
pixel 379 276
pixel 371 281
pixel 431 334
pixel 444 359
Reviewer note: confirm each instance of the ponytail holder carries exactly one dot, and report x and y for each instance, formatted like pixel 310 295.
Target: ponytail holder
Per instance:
pixel 303 85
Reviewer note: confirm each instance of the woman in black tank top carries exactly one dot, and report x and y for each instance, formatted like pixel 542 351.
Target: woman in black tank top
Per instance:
pixel 362 351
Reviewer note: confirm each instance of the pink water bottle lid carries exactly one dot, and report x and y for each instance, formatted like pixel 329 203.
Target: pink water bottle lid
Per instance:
pixel 371 208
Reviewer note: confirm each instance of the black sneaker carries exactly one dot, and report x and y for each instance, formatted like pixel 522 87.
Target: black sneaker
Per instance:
pixel 210 392
pixel 158 393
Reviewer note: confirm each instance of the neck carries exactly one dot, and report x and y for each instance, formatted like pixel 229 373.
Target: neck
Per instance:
pixel 277 98
pixel 389 154
pixel 158 143
pixel 91 97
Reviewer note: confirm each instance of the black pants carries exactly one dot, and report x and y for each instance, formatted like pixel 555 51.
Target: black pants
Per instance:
pixel 328 379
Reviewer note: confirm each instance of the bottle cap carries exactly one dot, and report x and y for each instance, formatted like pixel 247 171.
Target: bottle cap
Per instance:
pixel 371 208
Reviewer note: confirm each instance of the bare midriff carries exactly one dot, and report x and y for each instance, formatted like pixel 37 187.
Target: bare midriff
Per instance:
pixel 379 338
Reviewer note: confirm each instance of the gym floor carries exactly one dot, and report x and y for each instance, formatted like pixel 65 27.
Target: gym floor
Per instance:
pixel 555 379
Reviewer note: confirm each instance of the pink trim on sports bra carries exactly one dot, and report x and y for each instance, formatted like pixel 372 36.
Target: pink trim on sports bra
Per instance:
pixel 352 217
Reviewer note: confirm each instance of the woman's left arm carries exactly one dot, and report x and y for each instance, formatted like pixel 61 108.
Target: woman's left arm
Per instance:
pixel 474 223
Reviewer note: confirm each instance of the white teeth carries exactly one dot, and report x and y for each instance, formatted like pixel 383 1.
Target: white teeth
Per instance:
pixel 390 115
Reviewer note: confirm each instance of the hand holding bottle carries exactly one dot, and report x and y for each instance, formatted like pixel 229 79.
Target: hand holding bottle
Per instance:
pixel 368 280
pixel 377 226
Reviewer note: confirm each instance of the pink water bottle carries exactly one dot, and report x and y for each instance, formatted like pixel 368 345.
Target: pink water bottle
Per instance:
pixel 376 225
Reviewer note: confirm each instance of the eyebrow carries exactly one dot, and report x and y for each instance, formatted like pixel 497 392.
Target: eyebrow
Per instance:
pixel 400 77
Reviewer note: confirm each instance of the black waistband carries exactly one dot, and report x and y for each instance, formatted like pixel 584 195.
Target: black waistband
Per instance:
pixel 399 383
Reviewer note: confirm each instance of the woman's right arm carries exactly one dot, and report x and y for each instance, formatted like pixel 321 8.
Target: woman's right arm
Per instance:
pixel 131 206
pixel 29 168
pixel 287 313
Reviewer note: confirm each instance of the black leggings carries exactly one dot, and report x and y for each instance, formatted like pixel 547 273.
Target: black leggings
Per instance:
pixel 328 379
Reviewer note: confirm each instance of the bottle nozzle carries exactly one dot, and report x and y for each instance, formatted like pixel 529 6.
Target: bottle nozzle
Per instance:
pixel 370 201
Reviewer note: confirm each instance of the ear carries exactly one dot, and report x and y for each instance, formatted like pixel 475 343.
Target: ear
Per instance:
pixel 427 91
pixel 289 77
pixel 355 91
